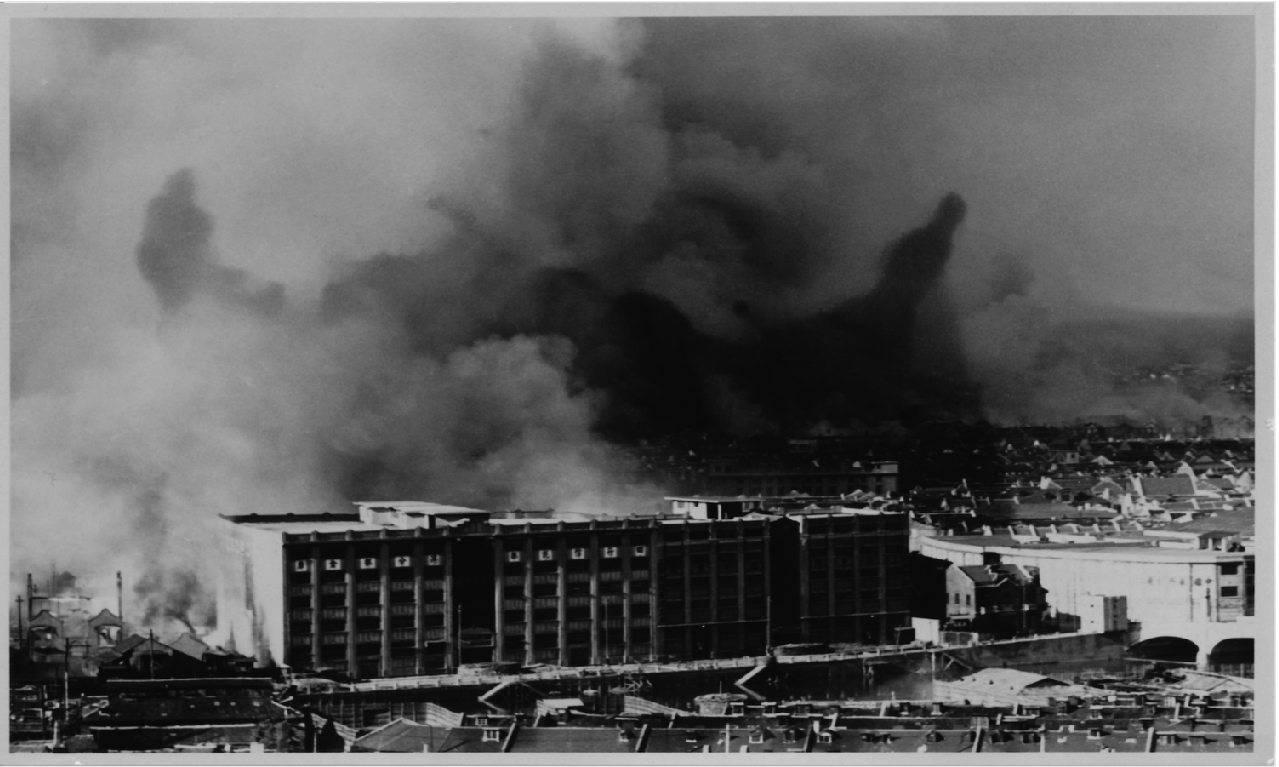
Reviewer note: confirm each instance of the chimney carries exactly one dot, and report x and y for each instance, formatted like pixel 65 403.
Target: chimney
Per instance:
pixel 119 600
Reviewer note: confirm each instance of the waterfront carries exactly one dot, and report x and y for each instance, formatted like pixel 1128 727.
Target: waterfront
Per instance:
pixel 833 681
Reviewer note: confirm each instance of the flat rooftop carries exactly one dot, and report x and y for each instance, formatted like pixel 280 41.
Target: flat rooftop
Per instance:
pixel 295 524
pixel 838 511
pixel 715 498
pixel 566 519
pixel 1128 549
pixel 419 507
pixel 301 523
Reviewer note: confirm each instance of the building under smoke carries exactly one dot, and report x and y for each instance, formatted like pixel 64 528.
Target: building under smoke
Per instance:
pixel 410 588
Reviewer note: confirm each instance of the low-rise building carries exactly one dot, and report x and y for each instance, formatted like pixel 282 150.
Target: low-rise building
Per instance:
pixel 1200 596
pixel 1000 600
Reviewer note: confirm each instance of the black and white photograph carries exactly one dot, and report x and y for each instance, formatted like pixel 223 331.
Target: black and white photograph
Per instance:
pixel 538 382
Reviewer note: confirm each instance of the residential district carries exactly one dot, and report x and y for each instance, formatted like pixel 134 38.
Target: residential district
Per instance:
pixel 967 589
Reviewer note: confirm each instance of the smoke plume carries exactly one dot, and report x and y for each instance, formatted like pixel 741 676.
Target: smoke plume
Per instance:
pixel 175 257
pixel 279 266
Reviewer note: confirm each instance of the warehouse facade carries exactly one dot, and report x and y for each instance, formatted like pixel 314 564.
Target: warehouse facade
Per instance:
pixel 408 589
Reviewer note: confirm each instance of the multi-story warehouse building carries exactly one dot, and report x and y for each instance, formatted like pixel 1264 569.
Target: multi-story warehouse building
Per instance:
pixel 411 588
pixel 848 574
pixel 715 587
pixel 574 593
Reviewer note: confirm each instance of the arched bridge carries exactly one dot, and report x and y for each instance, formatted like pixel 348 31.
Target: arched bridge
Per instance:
pixel 1222 645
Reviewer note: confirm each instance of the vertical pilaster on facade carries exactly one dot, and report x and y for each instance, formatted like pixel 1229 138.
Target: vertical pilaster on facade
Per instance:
pixel 768 585
pixel 593 561
pixel 316 637
pixel 384 596
pixel 805 590
pixel 561 559
pixel 715 616
pixel 451 626
pixel 881 590
pixel 530 651
pixel 499 589
pixel 831 620
pixel 658 618
pixel 654 605
pixel 686 632
pixel 625 552
pixel 530 556
pixel 859 604
pixel 419 631
pixel 349 564
pixel 741 585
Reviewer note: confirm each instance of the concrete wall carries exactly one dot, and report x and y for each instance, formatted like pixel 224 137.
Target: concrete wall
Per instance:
pixel 926 629
pixel 960 595
pixel 1170 592
pixel 1060 648
pixel 1067 647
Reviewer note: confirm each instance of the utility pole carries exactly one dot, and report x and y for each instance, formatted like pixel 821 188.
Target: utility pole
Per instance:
pixel 66 683
pixel 458 663
pixel 22 637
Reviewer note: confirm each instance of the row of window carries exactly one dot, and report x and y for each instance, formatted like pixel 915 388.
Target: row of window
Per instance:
pixel 578 589
pixel 549 555
pixel 541 614
pixel 365 563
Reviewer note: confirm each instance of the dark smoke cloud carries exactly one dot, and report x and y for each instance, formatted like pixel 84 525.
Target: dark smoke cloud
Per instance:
pixel 508 247
pixel 673 259
pixel 175 254
pixel 172 599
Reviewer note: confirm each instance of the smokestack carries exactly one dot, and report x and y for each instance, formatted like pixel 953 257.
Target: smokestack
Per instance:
pixel 119 599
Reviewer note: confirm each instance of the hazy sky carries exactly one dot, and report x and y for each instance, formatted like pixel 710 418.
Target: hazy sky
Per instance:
pixel 1113 153
pixel 200 325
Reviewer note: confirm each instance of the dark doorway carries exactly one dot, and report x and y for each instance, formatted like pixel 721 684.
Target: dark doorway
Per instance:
pixel 1169 649
pixel 1233 657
